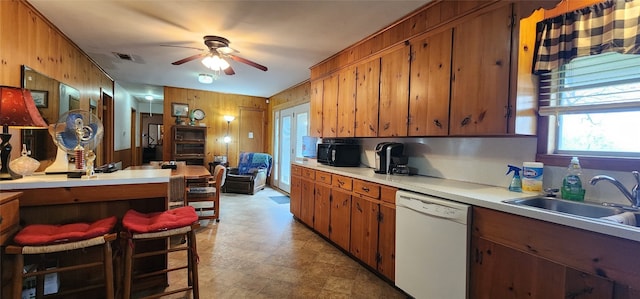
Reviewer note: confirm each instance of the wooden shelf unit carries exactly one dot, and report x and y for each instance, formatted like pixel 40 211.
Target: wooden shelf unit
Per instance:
pixel 189 144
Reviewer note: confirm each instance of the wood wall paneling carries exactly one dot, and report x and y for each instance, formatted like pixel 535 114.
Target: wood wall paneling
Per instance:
pixel 27 38
pixel 252 125
pixel 216 106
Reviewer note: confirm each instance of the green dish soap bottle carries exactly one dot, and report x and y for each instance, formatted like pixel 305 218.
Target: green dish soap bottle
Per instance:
pixel 571 184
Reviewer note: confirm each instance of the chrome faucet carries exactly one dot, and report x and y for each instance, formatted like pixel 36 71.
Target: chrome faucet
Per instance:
pixel 633 196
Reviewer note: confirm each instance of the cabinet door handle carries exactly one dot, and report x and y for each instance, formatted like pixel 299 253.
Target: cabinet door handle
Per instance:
pixel 437 123
pixel 465 121
pixel 358 207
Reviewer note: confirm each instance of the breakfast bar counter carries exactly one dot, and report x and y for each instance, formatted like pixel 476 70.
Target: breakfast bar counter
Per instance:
pixel 56 199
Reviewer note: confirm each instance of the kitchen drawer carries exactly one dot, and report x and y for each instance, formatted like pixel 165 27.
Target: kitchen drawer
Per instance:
pixel 342 182
pixel 308 173
pixel 10 213
pixel 296 170
pixel 323 177
pixel 388 194
pixel 366 188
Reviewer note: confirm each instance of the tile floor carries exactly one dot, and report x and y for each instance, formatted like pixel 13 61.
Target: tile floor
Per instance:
pixel 258 250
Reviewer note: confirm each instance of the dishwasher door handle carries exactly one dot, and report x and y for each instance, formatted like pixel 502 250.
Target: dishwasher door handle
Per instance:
pixel 435 210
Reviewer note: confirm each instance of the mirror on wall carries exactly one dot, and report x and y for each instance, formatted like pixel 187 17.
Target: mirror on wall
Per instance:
pixel 52 99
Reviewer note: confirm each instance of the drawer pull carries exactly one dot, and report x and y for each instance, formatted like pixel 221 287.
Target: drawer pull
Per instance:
pixel 341 183
pixel 365 189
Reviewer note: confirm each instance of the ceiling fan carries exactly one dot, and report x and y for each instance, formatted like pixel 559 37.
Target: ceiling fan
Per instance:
pixel 218 50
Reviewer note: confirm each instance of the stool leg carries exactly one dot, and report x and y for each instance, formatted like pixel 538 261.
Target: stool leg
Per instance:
pixel 193 262
pixel 17 276
pixel 108 270
pixel 128 263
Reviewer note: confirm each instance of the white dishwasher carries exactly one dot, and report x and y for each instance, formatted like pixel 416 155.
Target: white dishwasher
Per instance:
pixel 432 241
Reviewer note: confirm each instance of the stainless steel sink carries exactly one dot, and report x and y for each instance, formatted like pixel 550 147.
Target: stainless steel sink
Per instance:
pixel 569 207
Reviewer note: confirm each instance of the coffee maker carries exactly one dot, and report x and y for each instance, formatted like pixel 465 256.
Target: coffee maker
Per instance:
pixel 385 151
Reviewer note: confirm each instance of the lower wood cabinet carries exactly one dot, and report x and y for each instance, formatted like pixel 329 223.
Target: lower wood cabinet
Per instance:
pixel 307 202
pixel 502 272
pixel 322 209
pixel 518 257
pixel 339 230
pixel 387 240
pixel 295 195
pixel 358 216
pixel 373 232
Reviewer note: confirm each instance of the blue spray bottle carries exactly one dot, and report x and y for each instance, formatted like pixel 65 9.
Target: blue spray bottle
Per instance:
pixel 516 182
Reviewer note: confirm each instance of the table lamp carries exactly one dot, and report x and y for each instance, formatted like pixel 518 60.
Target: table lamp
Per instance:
pixel 17 109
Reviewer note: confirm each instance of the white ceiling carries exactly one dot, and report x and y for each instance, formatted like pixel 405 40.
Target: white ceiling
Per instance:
pixel 286 36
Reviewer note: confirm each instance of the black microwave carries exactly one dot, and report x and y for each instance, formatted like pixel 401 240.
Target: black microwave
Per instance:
pixel 339 154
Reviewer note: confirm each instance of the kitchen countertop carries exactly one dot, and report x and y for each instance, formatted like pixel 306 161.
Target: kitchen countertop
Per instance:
pixel 486 196
pixel 120 177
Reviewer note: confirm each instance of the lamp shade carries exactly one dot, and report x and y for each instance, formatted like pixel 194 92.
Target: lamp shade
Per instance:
pixel 17 109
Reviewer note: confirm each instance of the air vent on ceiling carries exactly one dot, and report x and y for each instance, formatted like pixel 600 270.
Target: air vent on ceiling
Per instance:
pixel 123 56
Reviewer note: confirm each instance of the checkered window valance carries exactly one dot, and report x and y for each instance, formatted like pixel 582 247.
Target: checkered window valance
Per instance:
pixel 610 26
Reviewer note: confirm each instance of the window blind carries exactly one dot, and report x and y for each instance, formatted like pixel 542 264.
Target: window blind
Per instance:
pixel 607 82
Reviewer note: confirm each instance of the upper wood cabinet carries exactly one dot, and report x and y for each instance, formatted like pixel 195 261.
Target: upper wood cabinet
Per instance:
pixel 394 93
pixel 367 97
pixel 480 79
pixel 330 106
pixel 468 76
pixel 347 102
pixel 429 92
pixel 315 122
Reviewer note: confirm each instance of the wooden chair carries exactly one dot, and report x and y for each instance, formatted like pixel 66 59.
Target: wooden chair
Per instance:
pixel 205 192
pixel 47 241
pixel 140 227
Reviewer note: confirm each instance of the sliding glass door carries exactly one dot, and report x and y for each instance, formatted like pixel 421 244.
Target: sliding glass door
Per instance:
pixel 289 126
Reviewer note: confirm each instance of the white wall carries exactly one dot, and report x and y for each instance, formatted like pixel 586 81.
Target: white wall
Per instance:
pixel 484 161
pixel 123 103
pixel 156 107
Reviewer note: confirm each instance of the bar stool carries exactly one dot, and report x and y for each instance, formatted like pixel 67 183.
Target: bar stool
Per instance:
pixel 140 227
pixel 46 240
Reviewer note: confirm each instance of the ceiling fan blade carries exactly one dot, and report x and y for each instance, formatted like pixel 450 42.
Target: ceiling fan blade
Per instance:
pixel 249 62
pixel 183 47
pixel 229 71
pixel 194 57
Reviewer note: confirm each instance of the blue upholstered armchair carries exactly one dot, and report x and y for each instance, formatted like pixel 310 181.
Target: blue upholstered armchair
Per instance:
pixel 251 174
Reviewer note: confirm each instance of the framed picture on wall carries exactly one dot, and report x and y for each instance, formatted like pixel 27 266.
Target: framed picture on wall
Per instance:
pixel 40 97
pixel 179 109
pixel 74 103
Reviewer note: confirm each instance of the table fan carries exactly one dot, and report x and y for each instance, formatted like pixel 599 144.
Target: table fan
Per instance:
pixel 78 133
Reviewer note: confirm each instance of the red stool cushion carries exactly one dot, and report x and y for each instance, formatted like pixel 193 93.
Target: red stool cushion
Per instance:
pixel 136 222
pixel 46 234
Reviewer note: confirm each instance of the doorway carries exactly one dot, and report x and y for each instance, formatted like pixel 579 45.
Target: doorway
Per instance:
pixel 107 122
pixel 290 125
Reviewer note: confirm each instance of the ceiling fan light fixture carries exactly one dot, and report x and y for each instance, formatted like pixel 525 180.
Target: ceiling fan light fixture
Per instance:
pixel 205 78
pixel 214 62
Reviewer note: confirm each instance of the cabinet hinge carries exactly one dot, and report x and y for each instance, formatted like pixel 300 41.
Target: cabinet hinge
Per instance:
pixel 507 114
pixel 378 257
